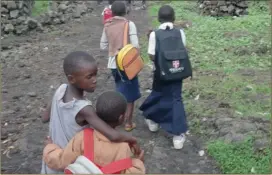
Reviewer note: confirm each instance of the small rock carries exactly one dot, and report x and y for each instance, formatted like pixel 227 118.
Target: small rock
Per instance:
pixel 32 94
pixel 11 5
pixel 4 10
pixel 16 96
pixel 21 65
pixel 4 91
pixel 26 76
pixel 9 28
pixel 201 153
pixel 32 23
pixel 21 29
pixel 26 10
pixel 45 49
pixel 4 134
pixel 21 4
pixel 4 3
pixel 242 4
pixel 56 21
pixel 46 19
pixel 14 13
pixel 80 9
pixel 239 113
pixel 13 139
pixel 62 19
pixel 62 7
pixel 20 20
pixel 249 88
pixel 197 97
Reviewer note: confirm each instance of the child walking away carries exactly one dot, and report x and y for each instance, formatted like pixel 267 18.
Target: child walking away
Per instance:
pixel 112 38
pixel 70 112
pixel 108 157
pixel 107 13
pixel 164 106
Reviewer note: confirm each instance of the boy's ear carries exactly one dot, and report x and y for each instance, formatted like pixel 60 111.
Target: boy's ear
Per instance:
pixel 71 79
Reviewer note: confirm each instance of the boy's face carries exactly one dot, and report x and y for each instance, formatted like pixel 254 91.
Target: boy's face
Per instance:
pixel 85 78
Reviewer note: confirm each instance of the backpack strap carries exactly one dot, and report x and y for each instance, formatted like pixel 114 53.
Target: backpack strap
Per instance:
pixel 117 166
pixel 126 33
pixel 89 144
pixel 111 168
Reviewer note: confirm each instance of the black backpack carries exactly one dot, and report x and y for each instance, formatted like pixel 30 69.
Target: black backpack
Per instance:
pixel 171 57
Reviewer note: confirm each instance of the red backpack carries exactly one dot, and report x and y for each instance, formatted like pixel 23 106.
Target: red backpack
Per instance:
pixel 85 165
pixel 107 14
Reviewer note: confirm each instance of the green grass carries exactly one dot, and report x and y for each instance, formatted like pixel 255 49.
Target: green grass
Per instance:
pixel 240 158
pixel 220 49
pixel 40 7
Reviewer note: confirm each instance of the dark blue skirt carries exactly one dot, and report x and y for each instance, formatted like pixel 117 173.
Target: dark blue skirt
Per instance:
pixel 129 88
pixel 164 106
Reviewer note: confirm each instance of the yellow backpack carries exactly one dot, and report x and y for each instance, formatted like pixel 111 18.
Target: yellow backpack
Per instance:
pixel 129 59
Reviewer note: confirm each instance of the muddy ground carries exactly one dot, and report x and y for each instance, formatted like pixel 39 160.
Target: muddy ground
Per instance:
pixel 32 70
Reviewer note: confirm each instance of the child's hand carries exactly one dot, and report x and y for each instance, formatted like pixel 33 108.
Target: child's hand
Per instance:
pixel 141 156
pixel 48 140
pixel 135 149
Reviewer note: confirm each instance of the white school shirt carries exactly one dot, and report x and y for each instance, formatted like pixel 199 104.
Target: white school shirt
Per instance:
pixel 133 40
pixel 152 37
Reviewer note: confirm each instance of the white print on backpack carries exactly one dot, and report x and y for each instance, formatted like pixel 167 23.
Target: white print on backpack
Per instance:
pixel 176 67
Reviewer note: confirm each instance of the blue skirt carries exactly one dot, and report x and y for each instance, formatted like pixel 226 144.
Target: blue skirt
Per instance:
pixel 129 88
pixel 164 106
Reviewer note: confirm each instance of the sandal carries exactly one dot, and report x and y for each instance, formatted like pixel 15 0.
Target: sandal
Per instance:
pixel 129 127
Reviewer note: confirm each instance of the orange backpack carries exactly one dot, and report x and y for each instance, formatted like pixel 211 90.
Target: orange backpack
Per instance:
pixel 129 59
pixel 85 164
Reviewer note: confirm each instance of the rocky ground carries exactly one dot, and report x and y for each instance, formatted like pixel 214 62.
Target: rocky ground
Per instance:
pixel 32 70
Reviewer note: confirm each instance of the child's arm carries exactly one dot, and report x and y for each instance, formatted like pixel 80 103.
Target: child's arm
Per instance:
pixel 57 158
pixel 133 37
pixel 151 46
pixel 104 41
pixel 46 114
pixel 90 116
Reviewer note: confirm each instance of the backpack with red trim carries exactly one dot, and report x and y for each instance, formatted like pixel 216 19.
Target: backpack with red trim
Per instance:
pixel 85 165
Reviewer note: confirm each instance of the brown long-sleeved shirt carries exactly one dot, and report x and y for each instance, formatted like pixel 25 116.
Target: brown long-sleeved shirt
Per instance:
pixel 105 152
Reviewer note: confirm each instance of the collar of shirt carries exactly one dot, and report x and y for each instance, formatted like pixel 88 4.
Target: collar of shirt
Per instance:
pixel 164 25
pixel 120 17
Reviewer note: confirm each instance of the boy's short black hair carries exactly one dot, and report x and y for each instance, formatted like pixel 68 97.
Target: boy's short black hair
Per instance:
pixel 110 106
pixel 118 8
pixel 74 60
pixel 111 2
pixel 166 14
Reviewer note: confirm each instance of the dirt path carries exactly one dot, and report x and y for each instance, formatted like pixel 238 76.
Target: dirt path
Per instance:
pixel 32 70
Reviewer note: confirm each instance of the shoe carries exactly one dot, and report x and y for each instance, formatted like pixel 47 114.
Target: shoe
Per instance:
pixel 152 126
pixel 178 141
